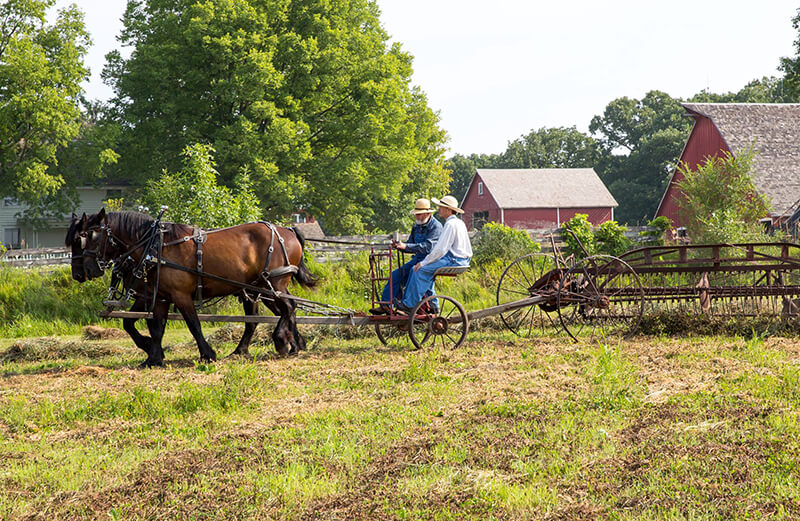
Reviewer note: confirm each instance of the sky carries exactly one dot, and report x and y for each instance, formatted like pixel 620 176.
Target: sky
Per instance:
pixel 495 70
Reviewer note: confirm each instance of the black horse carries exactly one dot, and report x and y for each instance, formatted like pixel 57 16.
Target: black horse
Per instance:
pixel 241 254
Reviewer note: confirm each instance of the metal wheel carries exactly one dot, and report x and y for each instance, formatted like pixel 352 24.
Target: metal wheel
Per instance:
pixel 535 274
pixel 601 296
pixel 396 334
pixel 448 327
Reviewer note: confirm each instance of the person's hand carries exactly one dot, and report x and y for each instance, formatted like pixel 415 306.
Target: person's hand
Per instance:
pixel 400 245
pixel 416 266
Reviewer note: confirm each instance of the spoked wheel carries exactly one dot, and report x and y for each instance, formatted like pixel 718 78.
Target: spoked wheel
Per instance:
pixel 535 274
pixel 396 334
pixel 600 296
pixel 448 327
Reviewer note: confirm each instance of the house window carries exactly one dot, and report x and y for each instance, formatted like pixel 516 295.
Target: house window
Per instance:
pixel 480 188
pixel 10 201
pixel 298 218
pixel 479 219
pixel 11 238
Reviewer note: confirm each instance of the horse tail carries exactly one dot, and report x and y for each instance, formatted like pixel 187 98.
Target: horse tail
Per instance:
pixel 303 275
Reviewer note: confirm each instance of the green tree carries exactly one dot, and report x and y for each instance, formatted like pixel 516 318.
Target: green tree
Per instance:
pixel 41 68
pixel 720 202
pixel 768 89
pixel 641 142
pixel 195 197
pixel 578 235
pixel 791 67
pixel 462 169
pixel 308 95
pixel 558 147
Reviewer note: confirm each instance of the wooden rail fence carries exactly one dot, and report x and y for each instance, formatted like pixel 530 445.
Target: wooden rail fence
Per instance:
pixel 329 249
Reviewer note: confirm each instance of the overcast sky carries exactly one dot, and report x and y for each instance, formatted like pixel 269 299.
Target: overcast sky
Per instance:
pixel 497 69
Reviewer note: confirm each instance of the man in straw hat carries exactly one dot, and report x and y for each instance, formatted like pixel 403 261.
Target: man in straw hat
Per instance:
pixel 423 236
pixel 452 249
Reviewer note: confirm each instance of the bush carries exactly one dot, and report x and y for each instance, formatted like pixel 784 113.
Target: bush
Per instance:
pixel 581 234
pixel 498 242
pixel 610 239
pixel 656 237
pixel 194 196
pixel 721 202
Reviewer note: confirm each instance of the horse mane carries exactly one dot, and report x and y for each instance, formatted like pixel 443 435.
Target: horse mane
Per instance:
pixel 73 228
pixel 136 224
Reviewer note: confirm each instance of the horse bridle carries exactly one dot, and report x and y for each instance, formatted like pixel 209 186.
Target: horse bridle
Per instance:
pixel 108 236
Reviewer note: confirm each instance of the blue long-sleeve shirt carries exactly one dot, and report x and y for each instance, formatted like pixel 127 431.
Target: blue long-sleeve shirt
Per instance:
pixel 422 238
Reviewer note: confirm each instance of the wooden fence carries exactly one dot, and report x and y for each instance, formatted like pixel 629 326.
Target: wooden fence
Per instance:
pixel 329 249
pixel 36 257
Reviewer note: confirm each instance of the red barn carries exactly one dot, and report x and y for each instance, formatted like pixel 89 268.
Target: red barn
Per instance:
pixel 773 130
pixel 536 198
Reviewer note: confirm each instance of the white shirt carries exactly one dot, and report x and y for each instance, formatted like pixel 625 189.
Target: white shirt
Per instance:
pixel 454 239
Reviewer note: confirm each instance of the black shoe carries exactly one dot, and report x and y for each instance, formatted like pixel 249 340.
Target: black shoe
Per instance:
pixel 383 309
pixel 399 306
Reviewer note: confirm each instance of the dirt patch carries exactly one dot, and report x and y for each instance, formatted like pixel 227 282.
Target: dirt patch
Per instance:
pixel 53 348
pixel 103 333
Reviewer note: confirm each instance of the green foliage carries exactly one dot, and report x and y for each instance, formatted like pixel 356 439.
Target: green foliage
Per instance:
pixel 610 239
pixel 640 141
pixel 309 97
pixel 463 168
pixel 194 196
pixel 558 147
pixel 656 237
pixel 578 232
pixel 720 201
pixel 41 68
pixel 790 84
pixel 499 243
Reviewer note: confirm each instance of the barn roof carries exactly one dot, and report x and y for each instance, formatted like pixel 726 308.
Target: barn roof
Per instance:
pixel 547 188
pixel 774 130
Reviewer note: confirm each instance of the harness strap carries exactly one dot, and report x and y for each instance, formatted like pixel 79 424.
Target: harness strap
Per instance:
pixel 267 274
pixel 199 238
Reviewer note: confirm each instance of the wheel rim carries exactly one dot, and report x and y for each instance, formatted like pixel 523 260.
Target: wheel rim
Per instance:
pixel 602 297
pixel 519 281
pixel 448 328
pixel 396 334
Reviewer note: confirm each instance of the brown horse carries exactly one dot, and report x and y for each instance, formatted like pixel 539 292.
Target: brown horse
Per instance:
pixel 238 254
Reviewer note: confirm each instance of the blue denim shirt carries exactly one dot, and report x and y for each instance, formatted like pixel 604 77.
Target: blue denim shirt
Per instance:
pixel 422 238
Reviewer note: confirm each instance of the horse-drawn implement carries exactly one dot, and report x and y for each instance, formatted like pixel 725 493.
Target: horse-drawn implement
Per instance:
pixel 594 297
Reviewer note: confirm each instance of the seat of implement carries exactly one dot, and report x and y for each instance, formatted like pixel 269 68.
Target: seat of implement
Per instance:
pixel 450 271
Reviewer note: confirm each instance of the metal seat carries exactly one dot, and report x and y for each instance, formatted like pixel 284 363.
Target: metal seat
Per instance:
pixel 450 271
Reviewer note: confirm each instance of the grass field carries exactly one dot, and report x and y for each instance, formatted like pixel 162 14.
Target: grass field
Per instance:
pixel 656 428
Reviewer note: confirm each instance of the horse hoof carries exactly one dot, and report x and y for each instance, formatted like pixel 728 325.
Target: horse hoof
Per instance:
pixel 150 364
pixel 237 354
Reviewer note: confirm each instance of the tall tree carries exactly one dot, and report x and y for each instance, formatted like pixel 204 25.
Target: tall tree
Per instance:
pixel 463 168
pixel 558 147
pixel 791 67
pixel 41 68
pixel 306 95
pixel 641 142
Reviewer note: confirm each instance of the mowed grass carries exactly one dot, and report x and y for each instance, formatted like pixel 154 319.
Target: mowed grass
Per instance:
pixel 502 428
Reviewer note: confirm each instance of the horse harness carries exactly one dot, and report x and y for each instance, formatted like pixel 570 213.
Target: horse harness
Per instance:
pixel 154 243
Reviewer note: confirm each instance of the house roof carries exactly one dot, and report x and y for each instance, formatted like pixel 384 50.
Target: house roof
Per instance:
pixel 774 130
pixel 547 188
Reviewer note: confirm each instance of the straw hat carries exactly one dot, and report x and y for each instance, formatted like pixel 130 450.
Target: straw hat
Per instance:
pixel 448 201
pixel 421 206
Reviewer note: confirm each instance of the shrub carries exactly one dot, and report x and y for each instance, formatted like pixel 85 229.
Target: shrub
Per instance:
pixel 195 197
pixel 498 242
pixel 656 237
pixel 610 239
pixel 720 200
pixel 581 234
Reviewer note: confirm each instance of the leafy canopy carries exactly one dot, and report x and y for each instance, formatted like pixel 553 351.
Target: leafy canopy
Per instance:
pixel 306 94
pixel 41 68
pixel 194 196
